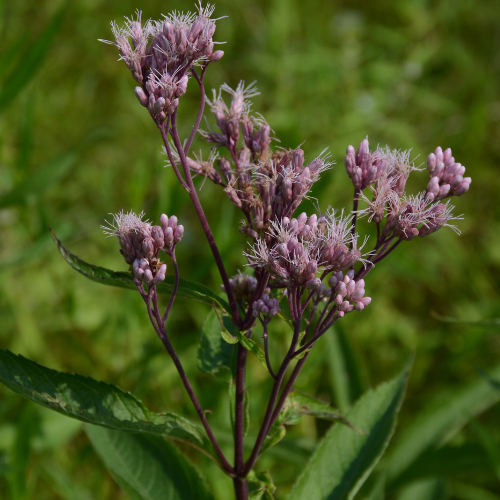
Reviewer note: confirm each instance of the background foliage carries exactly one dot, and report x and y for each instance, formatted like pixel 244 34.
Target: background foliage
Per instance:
pixel 75 145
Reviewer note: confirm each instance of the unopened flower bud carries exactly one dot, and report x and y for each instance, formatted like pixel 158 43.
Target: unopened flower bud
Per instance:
pixel 169 236
pixel 141 96
pixel 157 235
pixel 179 233
pixel 313 284
pixel 216 55
pixel 148 276
pixel 182 86
pixel 164 221
pixel 172 221
pixel 159 105
pixel 160 275
pixel 365 301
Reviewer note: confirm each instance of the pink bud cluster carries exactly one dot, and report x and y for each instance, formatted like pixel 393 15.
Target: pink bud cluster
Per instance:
pixel 141 243
pixel 150 274
pixel 446 176
pixel 177 43
pixel 294 250
pixel 363 167
pixel 172 232
pixel 243 287
pixel 349 294
pixel 268 307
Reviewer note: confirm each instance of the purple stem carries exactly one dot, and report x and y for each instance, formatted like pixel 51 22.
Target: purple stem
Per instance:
pixel 162 334
pixel 288 388
pixel 239 415
pixel 204 223
pixel 383 256
pixel 174 292
pixel 266 351
pixel 355 203
pixel 171 158
pixel 196 125
pixel 240 488
pixel 313 339
pixel 264 429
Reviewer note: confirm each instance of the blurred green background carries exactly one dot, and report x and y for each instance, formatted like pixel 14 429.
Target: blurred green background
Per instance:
pixel 76 145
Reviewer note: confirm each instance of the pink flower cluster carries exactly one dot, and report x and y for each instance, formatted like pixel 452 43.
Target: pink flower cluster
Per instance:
pixel 177 44
pixel 141 243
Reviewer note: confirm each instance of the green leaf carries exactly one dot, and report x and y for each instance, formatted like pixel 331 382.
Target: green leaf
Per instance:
pixel 301 404
pixel 94 402
pixel 261 485
pixel 249 344
pixel 31 61
pixel 147 468
pixel 187 289
pixel 215 355
pixel 297 405
pixel 344 459
pixel 440 421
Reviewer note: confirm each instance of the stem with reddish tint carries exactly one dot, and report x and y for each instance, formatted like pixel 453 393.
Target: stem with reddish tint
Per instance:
pixel 204 223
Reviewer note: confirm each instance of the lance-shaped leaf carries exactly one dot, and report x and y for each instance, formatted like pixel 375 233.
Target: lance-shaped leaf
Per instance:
pixel 297 405
pixel 94 402
pixel 146 468
pixel 187 289
pixel 344 458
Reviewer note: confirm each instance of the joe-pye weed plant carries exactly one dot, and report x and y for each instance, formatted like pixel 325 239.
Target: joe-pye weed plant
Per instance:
pixel 306 270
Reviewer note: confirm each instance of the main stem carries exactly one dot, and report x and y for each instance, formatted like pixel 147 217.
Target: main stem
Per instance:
pixel 240 488
pixel 240 484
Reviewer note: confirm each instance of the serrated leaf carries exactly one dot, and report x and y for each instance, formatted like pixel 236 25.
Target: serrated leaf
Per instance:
pixel 187 289
pixel 440 421
pixel 147 468
pixel 215 355
pixel 344 459
pixel 94 402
